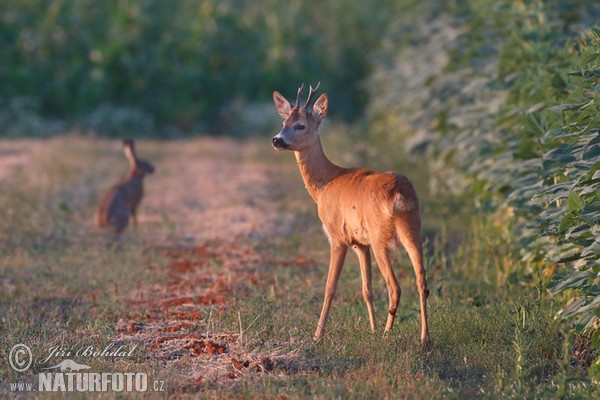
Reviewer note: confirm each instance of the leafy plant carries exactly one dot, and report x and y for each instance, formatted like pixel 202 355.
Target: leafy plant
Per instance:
pixel 560 204
pixel 185 63
pixel 508 94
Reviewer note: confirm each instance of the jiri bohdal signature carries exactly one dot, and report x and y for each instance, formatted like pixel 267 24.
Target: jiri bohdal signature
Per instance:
pixel 111 350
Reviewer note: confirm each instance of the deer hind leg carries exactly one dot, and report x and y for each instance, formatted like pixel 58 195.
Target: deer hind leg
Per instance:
pixel 364 258
pixel 336 262
pixel 408 231
pixel 382 255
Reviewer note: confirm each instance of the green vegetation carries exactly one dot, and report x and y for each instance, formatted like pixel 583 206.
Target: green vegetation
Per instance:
pixel 178 67
pixel 489 106
pixel 512 103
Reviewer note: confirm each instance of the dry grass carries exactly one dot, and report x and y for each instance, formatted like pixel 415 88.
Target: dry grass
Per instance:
pixel 220 287
pixel 165 286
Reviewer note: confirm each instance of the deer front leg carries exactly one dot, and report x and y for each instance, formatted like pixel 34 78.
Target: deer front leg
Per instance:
pixel 364 259
pixel 336 262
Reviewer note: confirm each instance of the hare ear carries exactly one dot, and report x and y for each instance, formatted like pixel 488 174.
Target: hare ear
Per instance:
pixel 321 106
pixel 128 148
pixel 282 105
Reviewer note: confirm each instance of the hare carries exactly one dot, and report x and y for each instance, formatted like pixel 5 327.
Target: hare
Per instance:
pixel 119 204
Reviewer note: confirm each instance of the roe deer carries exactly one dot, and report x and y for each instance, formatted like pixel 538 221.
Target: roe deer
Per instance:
pixel 119 204
pixel 358 208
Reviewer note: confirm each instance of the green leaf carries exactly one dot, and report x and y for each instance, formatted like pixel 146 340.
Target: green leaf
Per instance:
pixel 584 308
pixel 573 280
pixel 572 308
pixel 568 221
pixel 594 371
pixel 592 152
pixel 585 321
pixel 560 108
pixel 559 156
pixel 558 82
pixel 575 204
pixel 593 249
pixel 596 341
pixel 592 305
pixel 589 56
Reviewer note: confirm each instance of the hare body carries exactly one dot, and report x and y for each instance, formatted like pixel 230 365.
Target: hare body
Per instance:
pixel 119 205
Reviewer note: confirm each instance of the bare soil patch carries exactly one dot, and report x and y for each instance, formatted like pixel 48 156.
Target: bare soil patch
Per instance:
pixel 214 189
pixel 218 199
pixel 173 318
pixel 15 154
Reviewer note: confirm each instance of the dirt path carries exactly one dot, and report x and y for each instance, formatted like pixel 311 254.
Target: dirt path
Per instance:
pixel 204 189
pixel 216 198
pixel 214 189
pixel 14 154
pixel 207 207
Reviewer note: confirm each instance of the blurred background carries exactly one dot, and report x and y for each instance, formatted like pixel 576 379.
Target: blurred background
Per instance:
pixel 169 69
pixel 172 69
pixel 491 106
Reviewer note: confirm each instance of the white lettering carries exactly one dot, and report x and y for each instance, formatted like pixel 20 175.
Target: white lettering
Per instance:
pixel 57 351
pixel 90 382
pixel 82 382
pixel 131 351
pixel 105 381
pixel 45 381
pixel 21 387
pixel 70 376
pixel 117 382
pixel 59 382
pixel 141 382
pixel 129 376
pixel 94 384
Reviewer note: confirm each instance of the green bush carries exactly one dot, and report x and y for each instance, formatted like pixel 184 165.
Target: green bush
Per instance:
pixel 184 63
pixel 502 98
pixel 557 163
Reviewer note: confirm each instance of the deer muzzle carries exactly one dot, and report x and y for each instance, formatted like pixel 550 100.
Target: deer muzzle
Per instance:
pixel 279 143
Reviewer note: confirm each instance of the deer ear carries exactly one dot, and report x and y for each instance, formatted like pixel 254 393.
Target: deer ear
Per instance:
pixel 321 106
pixel 282 105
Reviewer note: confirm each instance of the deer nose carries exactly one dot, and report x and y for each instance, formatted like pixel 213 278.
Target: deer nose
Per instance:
pixel 279 143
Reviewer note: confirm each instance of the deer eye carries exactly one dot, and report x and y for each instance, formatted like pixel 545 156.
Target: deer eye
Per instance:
pixel 300 127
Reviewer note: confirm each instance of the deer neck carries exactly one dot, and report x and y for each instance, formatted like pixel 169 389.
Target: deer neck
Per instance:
pixel 316 169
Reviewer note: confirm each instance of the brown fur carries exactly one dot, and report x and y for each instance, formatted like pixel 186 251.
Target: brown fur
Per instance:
pixel 359 208
pixel 119 205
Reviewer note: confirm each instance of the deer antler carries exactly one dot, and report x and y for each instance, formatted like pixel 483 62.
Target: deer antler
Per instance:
pixel 300 91
pixel 310 95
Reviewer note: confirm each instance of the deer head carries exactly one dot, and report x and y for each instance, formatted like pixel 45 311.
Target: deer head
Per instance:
pixel 300 125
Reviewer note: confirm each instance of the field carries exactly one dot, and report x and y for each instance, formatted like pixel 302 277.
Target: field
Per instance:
pixel 218 291
pixel 490 107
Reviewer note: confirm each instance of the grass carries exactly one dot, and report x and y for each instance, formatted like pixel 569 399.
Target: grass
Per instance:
pixel 65 284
